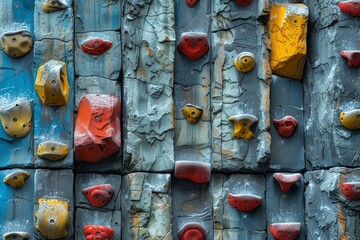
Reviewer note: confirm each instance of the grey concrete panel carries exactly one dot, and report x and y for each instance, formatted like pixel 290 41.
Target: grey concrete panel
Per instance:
pixel 235 234
pixel 328 214
pixel 90 179
pixel 16 210
pixel 55 184
pixel 106 65
pixel 283 207
pixel 192 202
pixel 146 204
pixel 330 87
pixel 234 30
pixel 225 216
pixel 149 46
pixel 94 15
pixel 110 219
pixel 287 154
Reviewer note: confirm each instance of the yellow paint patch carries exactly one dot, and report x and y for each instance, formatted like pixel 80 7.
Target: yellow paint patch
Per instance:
pixel 288 29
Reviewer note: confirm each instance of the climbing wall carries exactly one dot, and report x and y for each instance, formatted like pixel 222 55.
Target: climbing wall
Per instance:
pixel 179 119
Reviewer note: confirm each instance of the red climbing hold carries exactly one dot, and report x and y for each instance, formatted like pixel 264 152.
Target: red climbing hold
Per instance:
pixel 286 126
pixel 286 180
pixel 198 172
pixel 96 46
pixel 97 127
pixel 243 2
pixel 98 232
pixel 191 3
pixel 352 56
pixel 350 7
pixel 192 231
pixel 99 195
pixel 285 231
pixel 193 44
pixel 244 202
pixel 351 190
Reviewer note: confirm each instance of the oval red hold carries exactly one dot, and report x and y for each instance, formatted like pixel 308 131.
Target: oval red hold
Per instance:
pixel 198 172
pixel 244 202
pixel 98 232
pixel 286 126
pixel 285 231
pixel 243 2
pixel 351 190
pixel 96 46
pixel 192 231
pixel 286 180
pixel 193 44
pixel 350 7
pixel 191 3
pixel 99 195
pixel 353 57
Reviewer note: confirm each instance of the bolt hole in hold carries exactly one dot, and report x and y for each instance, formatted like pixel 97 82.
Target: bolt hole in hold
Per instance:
pixel 14 119
pixel 52 221
pixel 14 40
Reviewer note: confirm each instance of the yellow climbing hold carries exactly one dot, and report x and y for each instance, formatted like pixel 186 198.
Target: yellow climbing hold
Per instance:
pixel 242 124
pixel 17 178
pixel 351 119
pixel 52 150
pixel 192 113
pixel 245 62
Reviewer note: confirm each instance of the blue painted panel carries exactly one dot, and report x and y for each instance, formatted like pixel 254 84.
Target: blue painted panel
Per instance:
pixel 16 205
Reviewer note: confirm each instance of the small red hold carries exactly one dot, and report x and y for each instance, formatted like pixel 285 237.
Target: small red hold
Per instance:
pixel 351 190
pixel 97 128
pixel 193 44
pixel 198 172
pixel 286 180
pixel 191 3
pixel 286 126
pixel 350 7
pixel 285 231
pixel 353 57
pixel 243 2
pixel 244 202
pixel 98 195
pixel 96 46
pixel 192 231
pixel 98 232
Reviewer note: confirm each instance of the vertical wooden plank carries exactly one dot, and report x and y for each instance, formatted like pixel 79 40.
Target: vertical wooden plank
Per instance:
pixel 53 41
pixel 55 184
pixel 236 29
pixel 16 82
pixel 17 204
pixel 148 45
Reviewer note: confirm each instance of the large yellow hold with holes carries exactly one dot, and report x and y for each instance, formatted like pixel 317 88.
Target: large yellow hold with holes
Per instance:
pixel 288 29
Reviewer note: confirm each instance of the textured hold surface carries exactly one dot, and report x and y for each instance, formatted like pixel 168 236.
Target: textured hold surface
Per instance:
pixel 17 44
pixel 97 128
pixel 351 119
pixel 353 57
pixel 286 180
pixel 245 62
pixel 242 125
pixel 285 231
pixel 16 118
pixel 193 44
pixel 147 198
pixel 52 218
pixel 351 7
pixel 198 172
pixel 53 5
pixel 16 236
pixel 288 29
pixel 52 150
pixel 98 232
pixel 17 178
pixel 99 195
pixel 244 202
pixel 328 213
pixel 286 126
pixel 52 83
pixel 192 230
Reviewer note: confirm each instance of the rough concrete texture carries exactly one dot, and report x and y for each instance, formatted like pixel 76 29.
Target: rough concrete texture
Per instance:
pixel 106 65
pixel 328 213
pixel 91 179
pixel 146 206
pixel 149 45
pixel 230 222
pixel 55 25
pixel 55 184
pixel 17 204
pixel 54 123
pixel 234 30
pixel 95 15
pixel 192 202
pixel 284 207
pixel 330 87
pixel 110 219
pixel 287 154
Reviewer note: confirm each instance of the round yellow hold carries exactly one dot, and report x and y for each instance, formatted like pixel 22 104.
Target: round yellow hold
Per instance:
pixel 245 62
pixel 351 119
